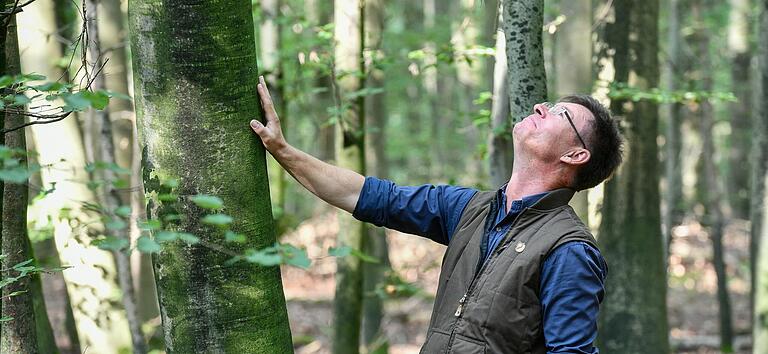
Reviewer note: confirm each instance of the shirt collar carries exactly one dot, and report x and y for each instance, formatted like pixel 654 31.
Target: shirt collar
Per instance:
pixel 519 204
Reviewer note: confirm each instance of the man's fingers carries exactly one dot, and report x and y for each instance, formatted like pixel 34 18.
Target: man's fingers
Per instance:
pixel 257 127
pixel 266 100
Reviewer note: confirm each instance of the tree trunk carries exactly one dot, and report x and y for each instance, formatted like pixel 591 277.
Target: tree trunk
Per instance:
pixel 522 23
pixel 739 26
pixel 19 335
pixel 193 121
pixel 90 280
pixel 377 164
pixel 634 316
pixel 759 232
pixel 319 14
pixel 673 196
pixel 349 16
pixel 110 196
pixel 500 148
pixel 574 69
pixel 714 215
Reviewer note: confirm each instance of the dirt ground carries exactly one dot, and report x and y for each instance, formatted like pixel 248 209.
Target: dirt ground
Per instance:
pixel 693 308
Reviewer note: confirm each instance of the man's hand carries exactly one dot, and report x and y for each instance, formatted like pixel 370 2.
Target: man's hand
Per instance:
pixel 271 135
pixel 337 186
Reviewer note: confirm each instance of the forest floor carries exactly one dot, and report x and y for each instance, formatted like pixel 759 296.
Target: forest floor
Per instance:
pixel 692 302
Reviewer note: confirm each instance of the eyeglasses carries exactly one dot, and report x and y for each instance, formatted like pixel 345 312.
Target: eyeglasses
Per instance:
pixel 560 110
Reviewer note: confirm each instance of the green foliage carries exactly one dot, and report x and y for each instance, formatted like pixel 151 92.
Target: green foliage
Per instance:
pixel 345 251
pixel 207 201
pixel 622 91
pixel 12 169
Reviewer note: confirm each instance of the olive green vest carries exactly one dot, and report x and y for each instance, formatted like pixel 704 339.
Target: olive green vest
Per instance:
pixel 494 306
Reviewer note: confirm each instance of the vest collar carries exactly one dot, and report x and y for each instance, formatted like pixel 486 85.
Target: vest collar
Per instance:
pixel 554 199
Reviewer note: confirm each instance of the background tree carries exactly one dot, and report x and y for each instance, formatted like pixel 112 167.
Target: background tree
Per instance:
pixel 349 30
pixel 760 201
pixel 633 317
pixel 377 164
pixel 522 23
pixel 194 129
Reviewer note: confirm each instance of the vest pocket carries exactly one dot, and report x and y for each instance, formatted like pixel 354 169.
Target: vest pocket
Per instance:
pixel 437 342
pixel 465 345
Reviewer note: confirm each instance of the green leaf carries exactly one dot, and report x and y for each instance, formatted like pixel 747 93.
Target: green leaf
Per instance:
pixel 75 102
pixel 266 257
pixel 49 86
pixel 207 201
pixel 147 245
pixel 14 175
pixel 5 319
pixel 112 243
pixel 294 256
pixel 119 95
pixel 171 217
pixel 123 210
pixel 189 238
pixel 166 236
pixel 150 225
pixel 115 224
pixel 21 100
pixel 170 183
pixel 6 80
pixel 97 99
pixel 342 251
pixel 231 236
pixel 217 219
pixel 168 197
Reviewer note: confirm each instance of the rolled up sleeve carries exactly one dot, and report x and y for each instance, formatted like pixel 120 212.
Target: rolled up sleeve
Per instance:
pixel 427 210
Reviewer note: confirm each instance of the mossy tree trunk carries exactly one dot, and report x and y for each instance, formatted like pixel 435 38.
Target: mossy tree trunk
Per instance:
pixel 760 197
pixel 527 80
pixel 633 316
pixel 19 335
pixel 740 53
pixel 349 17
pixel 377 164
pixel 195 80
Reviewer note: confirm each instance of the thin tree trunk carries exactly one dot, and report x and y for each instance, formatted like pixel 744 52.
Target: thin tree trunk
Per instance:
pixel 101 327
pixel 673 196
pixel 19 335
pixel 109 194
pixel 714 216
pixel 739 27
pixel 759 232
pixel 349 16
pixel 522 24
pixel 270 41
pixel 193 121
pixel 377 164
pixel 500 148
pixel 633 316
pixel 574 69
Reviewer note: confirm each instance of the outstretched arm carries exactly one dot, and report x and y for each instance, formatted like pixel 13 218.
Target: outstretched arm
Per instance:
pixel 335 185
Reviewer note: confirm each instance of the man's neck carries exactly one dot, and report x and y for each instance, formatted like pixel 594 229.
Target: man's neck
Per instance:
pixel 526 181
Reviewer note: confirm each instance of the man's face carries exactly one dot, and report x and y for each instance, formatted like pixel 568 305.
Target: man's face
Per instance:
pixel 546 133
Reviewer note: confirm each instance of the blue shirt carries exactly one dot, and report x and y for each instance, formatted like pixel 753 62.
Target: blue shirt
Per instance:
pixel 572 276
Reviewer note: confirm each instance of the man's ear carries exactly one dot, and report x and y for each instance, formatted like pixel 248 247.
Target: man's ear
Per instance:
pixel 576 157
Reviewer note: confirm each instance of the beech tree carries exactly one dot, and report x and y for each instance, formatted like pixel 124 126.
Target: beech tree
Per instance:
pixel 633 316
pixel 195 77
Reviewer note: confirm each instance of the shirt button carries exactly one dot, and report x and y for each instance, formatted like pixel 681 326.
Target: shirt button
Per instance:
pixel 498 228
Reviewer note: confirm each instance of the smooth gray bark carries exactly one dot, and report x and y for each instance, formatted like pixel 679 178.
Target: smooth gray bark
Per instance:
pixel 195 77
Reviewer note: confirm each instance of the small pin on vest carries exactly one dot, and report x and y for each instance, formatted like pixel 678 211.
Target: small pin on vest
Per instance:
pixel 519 247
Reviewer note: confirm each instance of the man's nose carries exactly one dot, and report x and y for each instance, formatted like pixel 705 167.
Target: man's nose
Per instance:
pixel 540 109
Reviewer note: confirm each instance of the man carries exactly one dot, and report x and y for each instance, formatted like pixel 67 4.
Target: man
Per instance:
pixel 521 274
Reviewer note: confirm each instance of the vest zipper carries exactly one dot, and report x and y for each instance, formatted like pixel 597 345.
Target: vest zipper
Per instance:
pixel 460 308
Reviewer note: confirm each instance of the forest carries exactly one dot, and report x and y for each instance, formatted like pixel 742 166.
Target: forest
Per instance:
pixel 141 214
